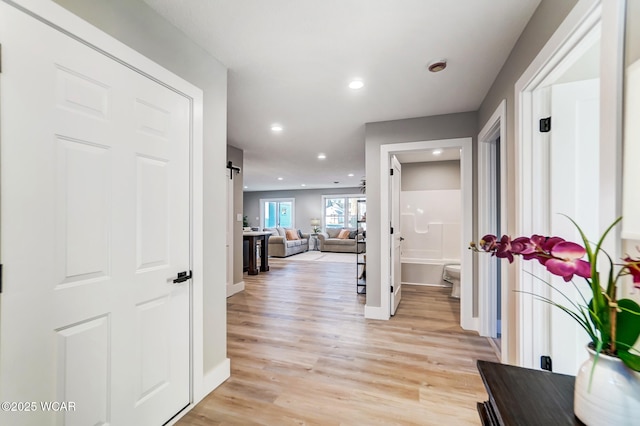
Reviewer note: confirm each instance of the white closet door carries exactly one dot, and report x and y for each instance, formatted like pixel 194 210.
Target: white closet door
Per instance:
pixel 95 227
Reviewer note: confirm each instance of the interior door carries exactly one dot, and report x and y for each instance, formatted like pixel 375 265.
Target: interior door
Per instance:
pixel 574 165
pixel 396 236
pixel 95 227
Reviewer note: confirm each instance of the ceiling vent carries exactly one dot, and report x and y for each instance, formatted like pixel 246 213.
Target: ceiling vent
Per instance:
pixel 437 66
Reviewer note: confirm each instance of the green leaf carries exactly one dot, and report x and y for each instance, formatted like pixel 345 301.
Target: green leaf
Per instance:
pixel 628 324
pixel 600 319
pixel 630 360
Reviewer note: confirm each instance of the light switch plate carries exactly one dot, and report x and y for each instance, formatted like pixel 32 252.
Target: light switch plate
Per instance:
pixel 239 217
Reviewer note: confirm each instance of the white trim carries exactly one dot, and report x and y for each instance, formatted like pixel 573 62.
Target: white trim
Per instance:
pixel 235 288
pixel 532 173
pixel 230 229
pixel 487 309
pixel 70 24
pixel 467 321
pixel 213 379
pixel 377 313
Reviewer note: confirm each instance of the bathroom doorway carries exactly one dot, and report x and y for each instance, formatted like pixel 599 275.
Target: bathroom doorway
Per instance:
pixel 492 219
pixel 460 241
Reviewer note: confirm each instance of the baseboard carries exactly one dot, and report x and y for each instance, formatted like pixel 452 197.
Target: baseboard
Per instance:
pixel 234 288
pixel 375 312
pixel 211 381
pixel 215 378
pixel 427 284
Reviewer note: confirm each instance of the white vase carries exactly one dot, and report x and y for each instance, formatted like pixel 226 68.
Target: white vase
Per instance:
pixel 614 395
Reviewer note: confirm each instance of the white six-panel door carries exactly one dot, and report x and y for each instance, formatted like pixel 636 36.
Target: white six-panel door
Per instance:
pixel 396 238
pixel 95 227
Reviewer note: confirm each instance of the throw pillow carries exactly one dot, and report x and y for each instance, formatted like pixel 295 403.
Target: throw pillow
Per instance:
pixel 333 233
pixel 344 234
pixel 352 235
pixel 291 234
pixel 300 234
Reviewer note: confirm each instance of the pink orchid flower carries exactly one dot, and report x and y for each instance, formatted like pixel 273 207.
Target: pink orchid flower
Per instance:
pixel 503 248
pixel 488 242
pixel 566 261
pixel 633 266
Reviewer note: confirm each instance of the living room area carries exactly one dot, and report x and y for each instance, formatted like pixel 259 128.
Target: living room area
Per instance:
pixel 324 225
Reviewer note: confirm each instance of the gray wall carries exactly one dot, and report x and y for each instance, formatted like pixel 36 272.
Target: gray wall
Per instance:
pixel 138 26
pixel 431 175
pixel 448 126
pixel 308 204
pixel 546 19
pixel 236 156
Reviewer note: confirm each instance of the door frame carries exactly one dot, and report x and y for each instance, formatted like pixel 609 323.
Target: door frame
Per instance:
pixel 530 333
pixel 54 15
pixel 467 319
pixel 487 300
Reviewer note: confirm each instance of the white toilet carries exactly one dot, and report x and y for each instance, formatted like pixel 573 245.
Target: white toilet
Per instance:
pixel 451 274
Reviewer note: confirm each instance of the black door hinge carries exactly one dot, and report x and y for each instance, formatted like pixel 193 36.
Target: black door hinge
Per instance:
pixel 545 125
pixel 0 58
pixel 391 172
pixel 545 363
pixel 392 230
pixel 1 277
pixel 391 289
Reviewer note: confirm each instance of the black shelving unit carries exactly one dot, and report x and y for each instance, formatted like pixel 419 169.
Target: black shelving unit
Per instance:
pixel 361 240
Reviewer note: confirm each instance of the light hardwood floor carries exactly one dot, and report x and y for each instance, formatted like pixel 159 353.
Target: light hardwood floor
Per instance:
pixel 302 354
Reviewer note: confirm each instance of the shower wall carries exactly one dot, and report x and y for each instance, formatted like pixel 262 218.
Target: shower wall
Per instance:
pixel 430 208
pixel 430 224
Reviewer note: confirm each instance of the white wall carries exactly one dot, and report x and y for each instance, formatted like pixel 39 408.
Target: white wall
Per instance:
pixel 138 26
pixel 430 210
pixel 632 54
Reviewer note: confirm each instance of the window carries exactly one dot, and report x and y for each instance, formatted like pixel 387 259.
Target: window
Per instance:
pixel 277 212
pixel 341 211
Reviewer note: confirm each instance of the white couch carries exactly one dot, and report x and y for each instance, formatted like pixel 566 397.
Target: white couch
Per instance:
pixel 281 246
pixel 329 241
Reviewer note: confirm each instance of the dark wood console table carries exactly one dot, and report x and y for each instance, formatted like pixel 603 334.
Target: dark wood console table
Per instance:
pixel 521 396
pixel 253 238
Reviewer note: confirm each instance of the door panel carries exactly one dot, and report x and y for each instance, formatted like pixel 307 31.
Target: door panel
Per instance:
pixel 574 167
pixel 95 224
pixel 396 237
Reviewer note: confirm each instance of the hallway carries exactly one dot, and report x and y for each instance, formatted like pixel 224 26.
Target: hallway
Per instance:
pixel 302 353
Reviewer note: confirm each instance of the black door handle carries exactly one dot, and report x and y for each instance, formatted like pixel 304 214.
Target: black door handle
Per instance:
pixel 182 277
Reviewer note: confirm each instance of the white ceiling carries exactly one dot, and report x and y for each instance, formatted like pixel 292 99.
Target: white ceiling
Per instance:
pixel 290 62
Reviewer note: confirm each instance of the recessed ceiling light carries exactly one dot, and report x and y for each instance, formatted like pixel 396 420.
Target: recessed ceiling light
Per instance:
pixel 246 187
pixel 350 175
pixel 280 178
pixel 436 152
pixel 437 65
pixel 356 84
pixel 276 128
pixel 303 184
pixel 321 156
